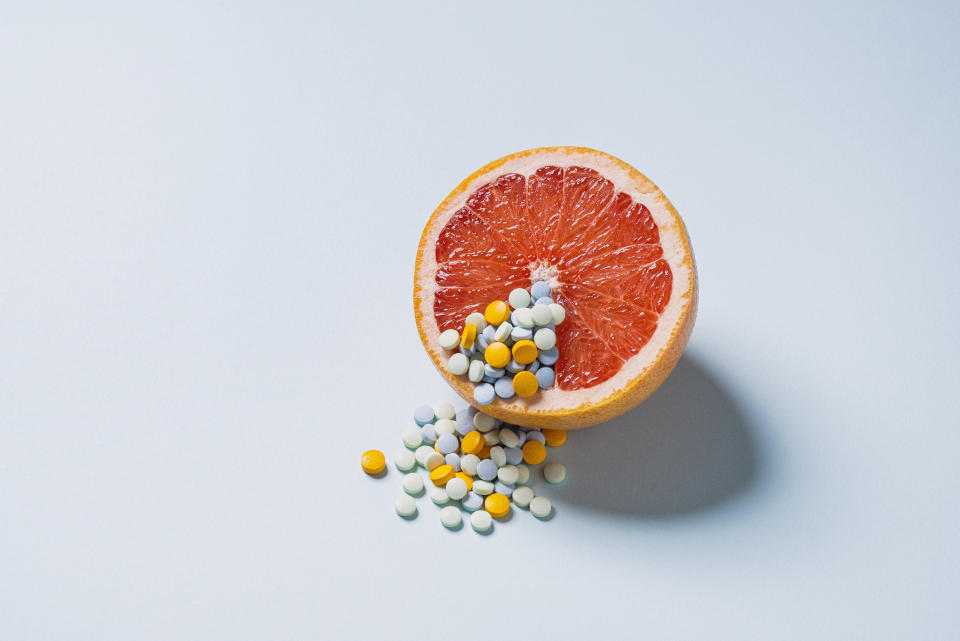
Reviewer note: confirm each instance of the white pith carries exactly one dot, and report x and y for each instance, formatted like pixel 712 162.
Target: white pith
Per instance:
pixel 672 239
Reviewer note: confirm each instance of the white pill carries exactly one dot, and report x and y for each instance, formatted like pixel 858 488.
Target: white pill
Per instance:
pixel 482 487
pixel 554 472
pixel 508 437
pixel 523 473
pixel 405 506
pixel 524 317
pixel 492 437
pixel 450 517
pixel 484 422
pixel 444 426
pixel 444 410
pixel 508 474
pixel 449 339
pixel 477 319
pixel 558 313
pixel 498 455
pixel 412 483
pixel 541 315
pixel 503 332
pixel 458 364
pixel 481 521
pixel 522 496
pixel 545 338
pixel 433 460
pixel 439 495
pixel 456 488
pixel 519 298
pixel 475 372
pixel 412 437
pixel 540 507
pixel 422 453
pixel 469 462
pixel 405 461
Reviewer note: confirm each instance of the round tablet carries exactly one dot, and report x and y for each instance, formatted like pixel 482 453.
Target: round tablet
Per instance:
pixel 489 371
pixel 522 496
pixel 555 438
pixel 521 334
pixel 484 422
pixel 453 460
pixel 541 315
pixel 456 488
pixel 484 394
pixel 476 318
pixel 554 472
pixel 539 289
pixel 534 367
pixel 523 474
pixel 412 438
pixel 502 488
pixel 373 461
pixel 475 371
pixel 471 502
pixel 449 339
pixel 468 463
pixel 536 435
pixel 502 333
pixel 464 422
pixel 523 317
pixel 534 452
pixel 497 505
pixel 481 521
pixel 514 455
pixel 519 298
pixel 504 387
pixel 412 483
pixel 558 313
pixel 458 364
pixel 487 469
pixel 508 474
pixel 545 377
pixel 422 453
pixel 405 461
pixel 444 426
pixel 439 495
pixel 492 437
pixel 549 356
pixel 508 437
pixel 447 443
pixel 498 456
pixel 444 410
pixel 433 460
pixel 428 433
pixel 513 367
pixel 540 507
pixel 405 506
pixel 450 517
pixel 545 338
pixel 482 488
pixel 423 415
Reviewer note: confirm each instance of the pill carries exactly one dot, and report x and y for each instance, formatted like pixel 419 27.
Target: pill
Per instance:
pixel 502 332
pixel 502 488
pixel 523 474
pixel 449 339
pixel 534 367
pixel 445 410
pixel 497 354
pixel 412 483
pixel 475 371
pixel 497 505
pixel 536 435
pixel 464 422
pixel 525 384
pixel 491 380
pixel 558 313
pixel 472 443
pixel 477 320
pixel 519 298
pixel 468 336
pixel 541 315
pixel 469 353
pixel 433 460
pixel 540 507
pixel 441 474
pixel 492 437
pixel 428 433
pixel 521 334
pixel 466 478
pixel 554 472
pixel 422 453
pixel 522 437
pixel 545 338
pixel 487 469
pixel 555 438
pixel 447 443
pixel 456 488
pixel 412 438
pixel 468 464
pixel 405 506
pixel 498 456
pixel 483 393
pixel 450 517
pixel 439 495
pixel 513 367
pixel 489 371
pixel 472 502
pixel 484 422
pixel 373 461
pixel 496 312
pixel 504 387
pixel 482 344
pixel 534 453
pixel 482 487
pixel 545 377
pixel 458 364
pixel 405 461
pixel 524 352
pixel 488 332
pixel 523 317
pixel 481 521
pixel 508 437
pixel 514 455
pixel 423 415
pixel 544 300
pixel 549 356
pixel 522 496
pixel 508 474
pixel 453 460
pixel 539 289
pixel 444 426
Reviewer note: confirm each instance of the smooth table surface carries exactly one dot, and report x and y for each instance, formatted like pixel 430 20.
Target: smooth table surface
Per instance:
pixel 208 218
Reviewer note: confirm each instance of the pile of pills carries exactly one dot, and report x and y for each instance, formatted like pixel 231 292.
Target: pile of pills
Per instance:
pixel 474 463
pixel 506 351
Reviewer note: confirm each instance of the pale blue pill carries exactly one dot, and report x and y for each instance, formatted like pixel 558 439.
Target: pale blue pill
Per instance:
pixel 487 469
pixel 521 334
pixel 522 435
pixel 513 317
pixel 467 352
pixel 548 356
pixel 533 367
pixel 484 393
pixel 514 454
pixel 447 443
pixel 482 343
pixel 503 387
pixel 429 433
pixel 539 290
pixel 503 488
pixel 472 411
pixel 453 459
pixel 489 332
pixel 464 422
pixel 546 377
pixel 513 367
pixel 536 435
pixel 492 372
pixel 423 415
pixel 491 380
pixel 472 502
pixel 546 300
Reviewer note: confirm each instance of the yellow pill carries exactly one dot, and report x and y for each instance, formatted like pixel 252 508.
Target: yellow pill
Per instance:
pixel 497 312
pixel 467 479
pixel 472 443
pixel 497 354
pixel 373 461
pixel 469 335
pixel 525 352
pixel 525 384
pixel 497 505
pixel 534 452
pixel 442 473
pixel 554 438
pixel 484 453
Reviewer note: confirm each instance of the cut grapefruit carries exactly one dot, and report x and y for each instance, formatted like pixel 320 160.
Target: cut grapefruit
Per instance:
pixel 614 251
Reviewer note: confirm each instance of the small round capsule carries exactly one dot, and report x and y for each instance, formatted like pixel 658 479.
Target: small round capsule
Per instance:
pixel 449 339
pixel 519 298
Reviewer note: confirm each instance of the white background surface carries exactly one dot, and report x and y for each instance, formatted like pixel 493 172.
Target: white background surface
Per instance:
pixel 209 218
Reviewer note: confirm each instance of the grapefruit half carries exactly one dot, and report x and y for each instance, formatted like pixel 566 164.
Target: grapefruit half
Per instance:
pixel 614 251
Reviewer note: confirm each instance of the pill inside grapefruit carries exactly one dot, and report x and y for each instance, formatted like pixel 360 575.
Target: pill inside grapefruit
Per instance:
pixel 613 249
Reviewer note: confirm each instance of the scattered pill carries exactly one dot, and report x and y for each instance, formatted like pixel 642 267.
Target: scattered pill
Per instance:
pixel 545 338
pixel 502 332
pixel 498 456
pixel 423 415
pixel 447 443
pixel 475 371
pixel 549 356
pixel 422 453
pixel 534 453
pixel 555 438
pixel 508 474
pixel 487 469
pixel 483 393
pixel 469 336
pixel 450 517
pixel 522 496
pixel 558 313
pixel 484 422
pixel 445 411
pixel 523 318
pixel 497 505
pixel 519 298
pixel 489 371
pixel 496 312
pixel 481 521
pixel 453 460
pixel 472 443
pixel 545 377
pixel 482 487
pixel 541 315
pixel 458 364
pixel 428 433
pixel 433 460
pixel 523 474
pixel 504 387
pixel 439 495
pixel 492 437
pixel 503 488
pixel 405 461
pixel 405 506
pixel 373 461
pixel 444 426
pixel 540 507
pixel 412 438
pixel 466 478
pixel 449 339
pixel 412 483
pixel 456 488
pixel 514 455
pixel 497 354
pixel 472 501
pixel 525 384
pixel 468 463
pixel 539 289
pixel 524 352
pixel 441 474
pixel 536 435
pixel 554 472
pixel 508 437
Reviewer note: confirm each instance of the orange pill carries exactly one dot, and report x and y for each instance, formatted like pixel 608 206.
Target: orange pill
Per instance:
pixel 497 312
pixel 472 443
pixel 554 438
pixel 469 335
pixel 467 479
pixel 525 384
pixel 534 452
pixel 497 505
pixel 373 462
pixel 525 352
pixel 442 474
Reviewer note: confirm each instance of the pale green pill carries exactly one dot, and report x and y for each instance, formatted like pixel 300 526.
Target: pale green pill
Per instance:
pixel 523 473
pixel 484 422
pixel 541 315
pixel 456 488
pixel 469 462
pixel 405 506
pixel 433 460
pixel 458 364
pixel 545 338
pixel 422 453
pixel 445 410
pixel 449 339
pixel 522 496
pixel 519 298
pixel 508 474
pixel 439 495
pixel 498 455
pixel 524 317
pixel 445 426
pixel 483 488
pixel 558 313
pixel 412 438
pixel 477 319
pixel 450 517
pixel 554 472
pixel 481 521
pixel 475 373
pixel 405 461
pixel 541 507
pixel 503 332
pixel 412 483
pixel 509 438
